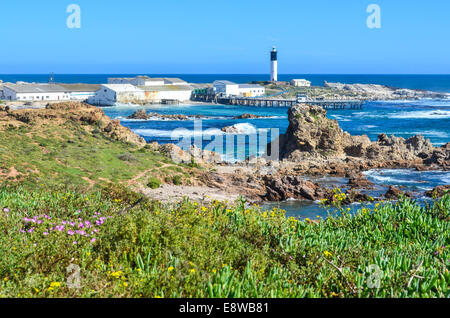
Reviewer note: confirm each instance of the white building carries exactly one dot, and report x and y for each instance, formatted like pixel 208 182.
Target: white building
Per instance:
pixel 228 88
pixel 147 81
pixel 110 94
pixel 300 83
pixel 81 92
pixel 120 80
pixel 251 90
pixel 35 92
pixel 174 81
pixel 157 94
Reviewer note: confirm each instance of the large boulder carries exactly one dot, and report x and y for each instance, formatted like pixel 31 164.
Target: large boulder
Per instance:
pixel 311 133
pixel 312 136
pixel 280 188
pixel 438 191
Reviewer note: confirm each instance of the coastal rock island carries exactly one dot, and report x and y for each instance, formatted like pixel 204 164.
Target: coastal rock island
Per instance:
pixel 315 144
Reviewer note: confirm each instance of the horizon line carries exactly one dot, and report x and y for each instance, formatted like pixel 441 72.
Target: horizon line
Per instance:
pixel 145 73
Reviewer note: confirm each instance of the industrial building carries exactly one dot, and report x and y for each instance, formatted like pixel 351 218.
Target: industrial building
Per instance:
pixel 110 94
pixel 159 94
pixel 146 81
pixel 48 92
pixel 228 88
pixel 80 92
pixel 35 92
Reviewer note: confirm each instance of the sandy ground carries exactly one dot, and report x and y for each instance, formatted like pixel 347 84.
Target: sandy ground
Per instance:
pixel 171 193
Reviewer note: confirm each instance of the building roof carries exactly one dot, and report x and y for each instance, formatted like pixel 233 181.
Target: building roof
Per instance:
pixel 155 79
pixel 120 78
pixel 36 88
pixel 224 82
pixel 165 88
pixel 250 86
pixel 81 87
pixel 122 87
pixel 143 76
pixel 175 80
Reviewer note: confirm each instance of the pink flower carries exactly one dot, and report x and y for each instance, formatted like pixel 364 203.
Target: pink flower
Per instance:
pixel 70 232
pixel 75 242
pixel 6 210
pixel 45 233
pixel 93 240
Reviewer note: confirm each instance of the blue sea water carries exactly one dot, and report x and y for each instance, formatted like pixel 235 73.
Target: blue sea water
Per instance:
pixel 429 117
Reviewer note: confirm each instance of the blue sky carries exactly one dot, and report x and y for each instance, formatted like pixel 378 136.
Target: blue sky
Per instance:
pixel 218 36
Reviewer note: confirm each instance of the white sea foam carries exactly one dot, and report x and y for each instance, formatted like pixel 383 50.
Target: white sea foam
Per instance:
pixel 432 133
pixel 244 128
pixel 177 133
pixel 240 129
pixel 426 114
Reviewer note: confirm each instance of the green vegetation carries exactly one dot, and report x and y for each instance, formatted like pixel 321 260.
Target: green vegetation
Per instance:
pixel 69 155
pixel 154 183
pixel 66 207
pixel 188 250
pixel 177 180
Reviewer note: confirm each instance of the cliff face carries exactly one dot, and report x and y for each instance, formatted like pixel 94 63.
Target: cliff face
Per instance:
pixel 313 136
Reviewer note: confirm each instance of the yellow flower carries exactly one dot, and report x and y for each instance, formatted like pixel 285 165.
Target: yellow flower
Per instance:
pixel 125 284
pixel 55 284
pixel 192 270
pixel 6 279
pixel 214 270
pixel 36 290
pixel 326 253
pixel 171 268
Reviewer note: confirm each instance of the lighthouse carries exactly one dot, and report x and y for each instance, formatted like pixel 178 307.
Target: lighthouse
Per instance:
pixel 273 65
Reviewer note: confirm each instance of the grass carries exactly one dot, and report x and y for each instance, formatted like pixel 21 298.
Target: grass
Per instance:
pixel 68 155
pixel 221 250
pixel 154 183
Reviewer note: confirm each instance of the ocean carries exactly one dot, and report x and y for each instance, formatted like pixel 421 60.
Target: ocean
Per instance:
pixel 429 117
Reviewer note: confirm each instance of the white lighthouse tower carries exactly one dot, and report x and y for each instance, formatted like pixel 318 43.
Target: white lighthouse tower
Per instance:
pixel 273 65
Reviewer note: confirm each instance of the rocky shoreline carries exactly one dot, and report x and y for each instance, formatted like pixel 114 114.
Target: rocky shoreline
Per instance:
pixel 315 145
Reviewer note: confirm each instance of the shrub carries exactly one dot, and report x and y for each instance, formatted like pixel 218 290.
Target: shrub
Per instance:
pixel 127 157
pixel 176 180
pixel 153 183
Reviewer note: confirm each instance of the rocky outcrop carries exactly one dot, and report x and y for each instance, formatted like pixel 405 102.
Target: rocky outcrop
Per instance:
pixel 315 144
pixel 142 114
pixel 438 191
pixel 90 118
pixel 280 188
pixel 242 128
pixel 440 157
pixel 248 116
pixel 394 193
pixel 375 91
pixel 192 155
pixel 359 181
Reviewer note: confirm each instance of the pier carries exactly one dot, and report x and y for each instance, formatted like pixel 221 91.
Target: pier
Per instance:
pixel 333 104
